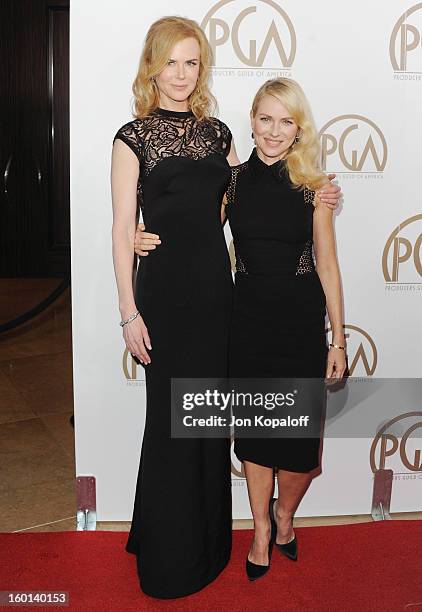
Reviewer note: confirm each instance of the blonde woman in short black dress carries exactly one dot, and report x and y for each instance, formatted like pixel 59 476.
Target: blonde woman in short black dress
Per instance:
pixel 281 298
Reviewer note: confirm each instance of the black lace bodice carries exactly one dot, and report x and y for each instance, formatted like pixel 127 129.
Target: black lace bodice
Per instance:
pixel 166 134
pixel 184 174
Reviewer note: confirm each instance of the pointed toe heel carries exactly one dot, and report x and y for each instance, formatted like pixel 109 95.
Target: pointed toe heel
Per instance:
pixel 254 571
pixel 289 549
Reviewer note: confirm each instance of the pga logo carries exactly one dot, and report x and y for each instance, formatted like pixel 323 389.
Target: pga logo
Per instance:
pixel 353 143
pixel 406 41
pixel 258 35
pixel 402 255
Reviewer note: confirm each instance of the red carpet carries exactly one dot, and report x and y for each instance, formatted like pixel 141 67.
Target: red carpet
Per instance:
pixel 369 566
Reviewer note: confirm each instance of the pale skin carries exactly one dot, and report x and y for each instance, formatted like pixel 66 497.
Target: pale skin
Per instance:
pixel 275 132
pixel 175 83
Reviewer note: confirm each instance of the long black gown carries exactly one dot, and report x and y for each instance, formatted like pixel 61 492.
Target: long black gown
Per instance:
pixel 278 321
pixel 181 525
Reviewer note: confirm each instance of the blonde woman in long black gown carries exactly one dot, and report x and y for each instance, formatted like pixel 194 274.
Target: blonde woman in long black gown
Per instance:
pixel 173 161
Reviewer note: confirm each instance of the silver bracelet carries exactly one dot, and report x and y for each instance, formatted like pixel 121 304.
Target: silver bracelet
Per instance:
pixel 133 316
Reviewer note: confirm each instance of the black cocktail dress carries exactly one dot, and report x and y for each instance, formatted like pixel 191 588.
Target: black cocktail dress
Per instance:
pixel 181 525
pixel 278 322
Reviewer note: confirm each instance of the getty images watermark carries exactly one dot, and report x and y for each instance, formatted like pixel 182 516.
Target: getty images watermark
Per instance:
pixel 298 408
pixel 215 399
pixel 257 408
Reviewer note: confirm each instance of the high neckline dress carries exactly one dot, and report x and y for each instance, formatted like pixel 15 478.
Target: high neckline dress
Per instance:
pixel 278 321
pixel 181 525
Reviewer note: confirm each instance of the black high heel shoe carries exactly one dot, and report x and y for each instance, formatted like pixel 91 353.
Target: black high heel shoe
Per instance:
pixel 289 550
pixel 255 571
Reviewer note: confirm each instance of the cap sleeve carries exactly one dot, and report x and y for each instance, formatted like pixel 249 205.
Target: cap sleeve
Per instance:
pixel 226 138
pixel 130 136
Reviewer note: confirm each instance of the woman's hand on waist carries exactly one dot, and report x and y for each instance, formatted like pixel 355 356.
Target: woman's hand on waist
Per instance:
pixel 144 241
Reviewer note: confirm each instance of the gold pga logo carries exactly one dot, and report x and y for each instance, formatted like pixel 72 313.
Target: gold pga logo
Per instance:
pixel 134 373
pixel 262 32
pixel 362 352
pixel 405 41
pixel 353 143
pixel 401 258
pixel 388 444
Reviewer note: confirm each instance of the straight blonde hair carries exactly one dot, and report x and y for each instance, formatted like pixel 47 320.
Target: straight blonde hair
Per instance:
pixel 303 160
pixel 160 40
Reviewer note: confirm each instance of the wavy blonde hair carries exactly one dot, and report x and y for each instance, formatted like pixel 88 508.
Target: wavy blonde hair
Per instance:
pixel 160 40
pixel 303 159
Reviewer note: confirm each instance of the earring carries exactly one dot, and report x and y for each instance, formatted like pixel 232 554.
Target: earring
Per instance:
pixel 252 136
pixel 297 139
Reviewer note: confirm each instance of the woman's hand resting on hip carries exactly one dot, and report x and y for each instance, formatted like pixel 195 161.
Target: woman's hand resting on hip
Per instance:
pixel 144 241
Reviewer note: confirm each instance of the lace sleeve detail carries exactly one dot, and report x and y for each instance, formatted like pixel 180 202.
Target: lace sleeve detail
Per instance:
pixel 231 189
pixel 306 262
pixel 225 135
pixel 309 196
pixel 226 138
pixel 130 136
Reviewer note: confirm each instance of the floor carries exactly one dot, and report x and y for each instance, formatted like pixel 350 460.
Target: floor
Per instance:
pixel 37 460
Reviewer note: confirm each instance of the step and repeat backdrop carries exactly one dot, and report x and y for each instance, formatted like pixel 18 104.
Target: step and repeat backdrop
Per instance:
pixel 361 68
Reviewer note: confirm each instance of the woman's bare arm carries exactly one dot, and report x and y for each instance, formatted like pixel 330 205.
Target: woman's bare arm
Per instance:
pixel 329 274
pixel 124 178
pixel 223 210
